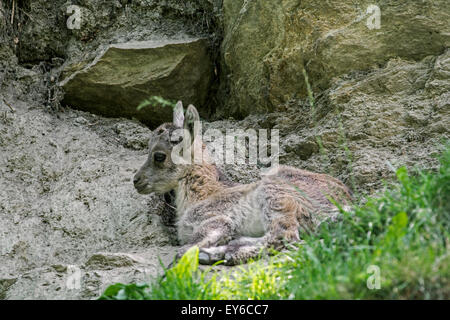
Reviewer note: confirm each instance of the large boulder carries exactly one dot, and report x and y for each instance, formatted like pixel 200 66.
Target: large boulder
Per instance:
pixel 124 75
pixel 268 43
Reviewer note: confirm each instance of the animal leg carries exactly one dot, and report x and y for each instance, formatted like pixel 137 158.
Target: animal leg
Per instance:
pixel 283 227
pixel 243 249
pixel 214 254
pixel 211 233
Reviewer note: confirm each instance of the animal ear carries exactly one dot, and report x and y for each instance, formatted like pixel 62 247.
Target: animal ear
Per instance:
pixel 178 115
pixel 192 117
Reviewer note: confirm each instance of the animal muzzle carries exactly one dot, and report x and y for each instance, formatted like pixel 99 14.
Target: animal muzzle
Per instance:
pixel 140 183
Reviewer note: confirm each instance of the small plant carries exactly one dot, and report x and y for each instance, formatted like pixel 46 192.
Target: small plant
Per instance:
pixel 342 138
pixel 256 281
pixel 120 291
pixel 156 101
pixel 184 281
pixel 349 156
pixel 322 150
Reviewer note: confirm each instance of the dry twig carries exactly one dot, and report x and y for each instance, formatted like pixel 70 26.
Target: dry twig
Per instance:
pixel 12 109
pixel 13 11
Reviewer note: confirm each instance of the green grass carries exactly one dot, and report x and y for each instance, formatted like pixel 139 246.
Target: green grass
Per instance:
pixel 182 282
pixel 404 232
pixel 312 103
pixel 156 101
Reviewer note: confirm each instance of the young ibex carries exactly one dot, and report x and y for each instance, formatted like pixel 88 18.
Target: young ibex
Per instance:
pixel 234 223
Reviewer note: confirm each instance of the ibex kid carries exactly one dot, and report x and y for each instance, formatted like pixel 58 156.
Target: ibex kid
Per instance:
pixel 234 223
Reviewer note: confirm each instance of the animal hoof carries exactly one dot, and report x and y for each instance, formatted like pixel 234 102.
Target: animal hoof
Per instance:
pixel 228 259
pixel 204 258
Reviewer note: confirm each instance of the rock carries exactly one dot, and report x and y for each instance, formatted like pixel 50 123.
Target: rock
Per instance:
pixel 133 135
pixel 5 284
pixel 304 149
pixel 109 261
pixel 367 124
pixel 43 30
pixel 268 43
pixel 47 28
pixel 60 268
pixel 126 74
pixel 438 84
pixel 86 281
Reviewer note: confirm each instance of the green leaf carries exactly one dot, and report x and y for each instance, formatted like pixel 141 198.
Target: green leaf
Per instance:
pixel 156 101
pixel 188 264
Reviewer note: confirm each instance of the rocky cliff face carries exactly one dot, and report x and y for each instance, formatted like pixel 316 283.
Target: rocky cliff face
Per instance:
pixel 72 222
pixel 379 74
pixel 267 44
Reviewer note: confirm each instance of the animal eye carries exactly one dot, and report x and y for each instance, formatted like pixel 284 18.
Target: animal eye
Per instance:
pixel 159 157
